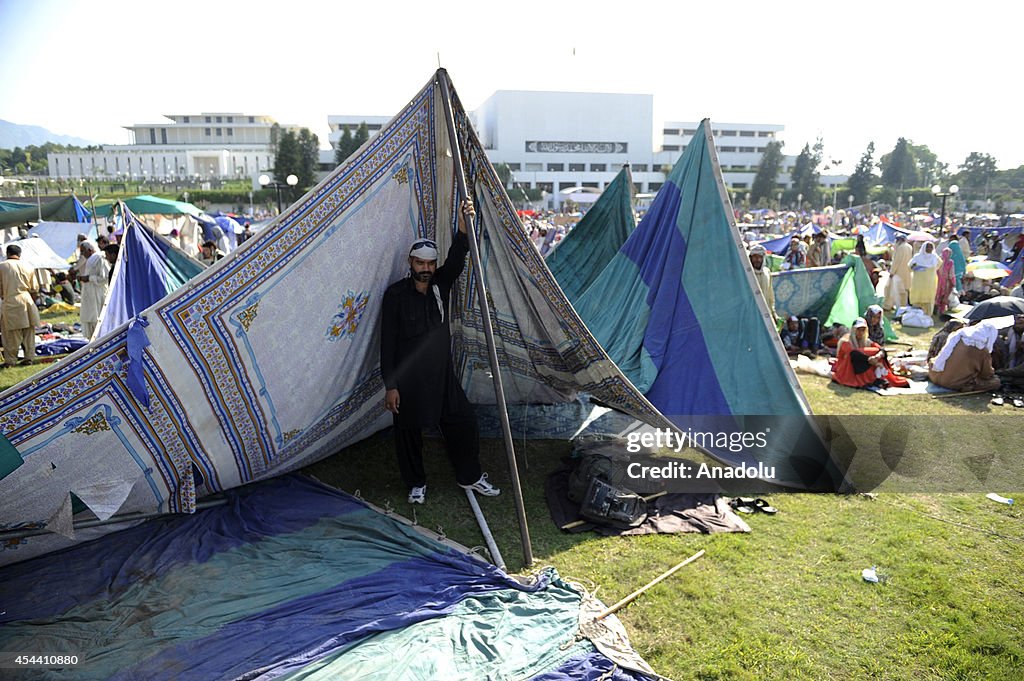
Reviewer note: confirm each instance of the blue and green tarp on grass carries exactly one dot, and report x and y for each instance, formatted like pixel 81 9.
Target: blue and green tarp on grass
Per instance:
pixel 290 579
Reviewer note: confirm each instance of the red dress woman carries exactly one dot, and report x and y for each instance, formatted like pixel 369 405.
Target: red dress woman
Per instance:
pixel 861 363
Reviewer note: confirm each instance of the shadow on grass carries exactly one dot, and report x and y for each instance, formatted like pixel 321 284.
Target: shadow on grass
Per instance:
pixel 369 468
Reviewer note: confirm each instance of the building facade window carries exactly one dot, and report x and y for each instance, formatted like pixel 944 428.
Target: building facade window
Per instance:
pixel 727 150
pixel 728 133
pixel 598 167
pixel 747 150
pixel 208 120
pixel 206 131
pixel 218 119
pixel 577 167
pixel 185 119
pixel 231 132
pixel 639 167
pixel 534 167
pixel 670 131
pixel 556 167
pixel 670 147
pixel 746 133
pixel 252 119
pixel 515 166
pixel 218 132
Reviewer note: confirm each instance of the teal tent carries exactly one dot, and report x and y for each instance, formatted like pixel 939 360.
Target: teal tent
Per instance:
pixel 153 205
pixel 583 254
pixel 68 209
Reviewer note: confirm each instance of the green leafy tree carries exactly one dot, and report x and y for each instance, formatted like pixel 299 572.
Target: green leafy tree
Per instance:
pixel 362 134
pixel 863 177
pixel 929 168
pixel 287 157
pixel 976 173
pixel 764 181
pixel 899 168
pixel 805 174
pixel 344 148
pixel 309 158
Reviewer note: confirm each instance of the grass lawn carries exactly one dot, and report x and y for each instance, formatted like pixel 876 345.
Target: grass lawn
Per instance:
pixel 786 601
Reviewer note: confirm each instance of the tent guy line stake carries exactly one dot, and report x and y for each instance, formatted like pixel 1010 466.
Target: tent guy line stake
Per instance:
pixel 631 597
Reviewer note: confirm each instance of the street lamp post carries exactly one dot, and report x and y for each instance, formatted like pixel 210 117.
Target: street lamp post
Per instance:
pixel 290 181
pixel 937 192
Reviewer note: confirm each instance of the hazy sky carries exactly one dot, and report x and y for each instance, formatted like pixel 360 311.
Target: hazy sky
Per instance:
pixel 940 74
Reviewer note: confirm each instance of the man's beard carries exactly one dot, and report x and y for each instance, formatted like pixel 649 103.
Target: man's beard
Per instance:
pixel 422 277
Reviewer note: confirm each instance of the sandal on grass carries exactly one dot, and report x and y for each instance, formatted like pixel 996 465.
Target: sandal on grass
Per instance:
pixel 1018 402
pixel 998 401
pixel 742 505
pixel 764 507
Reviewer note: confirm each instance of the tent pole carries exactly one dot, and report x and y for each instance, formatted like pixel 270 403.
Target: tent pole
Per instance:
pixel 485 312
pixel 492 546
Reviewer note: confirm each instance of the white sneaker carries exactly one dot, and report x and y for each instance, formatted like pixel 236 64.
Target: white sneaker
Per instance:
pixel 417 495
pixel 483 487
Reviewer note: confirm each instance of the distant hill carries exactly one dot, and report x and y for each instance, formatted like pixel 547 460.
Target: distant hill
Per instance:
pixel 14 135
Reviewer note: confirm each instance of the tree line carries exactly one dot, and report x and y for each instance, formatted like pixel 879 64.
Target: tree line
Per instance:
pixel 906 173
pixel 31 160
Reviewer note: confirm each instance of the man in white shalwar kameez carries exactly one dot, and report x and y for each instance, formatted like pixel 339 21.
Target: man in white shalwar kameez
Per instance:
pixel 899 274
pixel 94 287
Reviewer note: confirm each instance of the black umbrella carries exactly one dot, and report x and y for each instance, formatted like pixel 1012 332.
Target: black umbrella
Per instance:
pixel 1000 306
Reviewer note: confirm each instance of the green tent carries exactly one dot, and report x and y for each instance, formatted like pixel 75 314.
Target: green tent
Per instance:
pixel 854 296
pixel 67 209
pixel 838 293
pixel 153 205
pixel 584 252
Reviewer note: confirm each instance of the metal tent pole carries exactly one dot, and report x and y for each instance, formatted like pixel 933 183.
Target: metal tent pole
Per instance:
pixel 485 312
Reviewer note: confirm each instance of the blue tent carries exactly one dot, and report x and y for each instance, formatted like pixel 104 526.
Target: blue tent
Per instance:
pixel 882 234
pixel 148 267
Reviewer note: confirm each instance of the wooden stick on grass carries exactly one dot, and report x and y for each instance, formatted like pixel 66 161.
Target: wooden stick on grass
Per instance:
pixel 959 394
pixel 631 597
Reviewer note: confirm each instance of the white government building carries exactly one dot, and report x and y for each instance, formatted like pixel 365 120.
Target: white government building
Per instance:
pixel 551 141
pixel 189 146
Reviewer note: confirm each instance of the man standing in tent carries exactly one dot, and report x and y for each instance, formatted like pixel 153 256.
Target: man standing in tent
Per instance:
pixel 94 286
pixel 899 274
pixel 416 365
pixel 20 315
pixel 763 276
